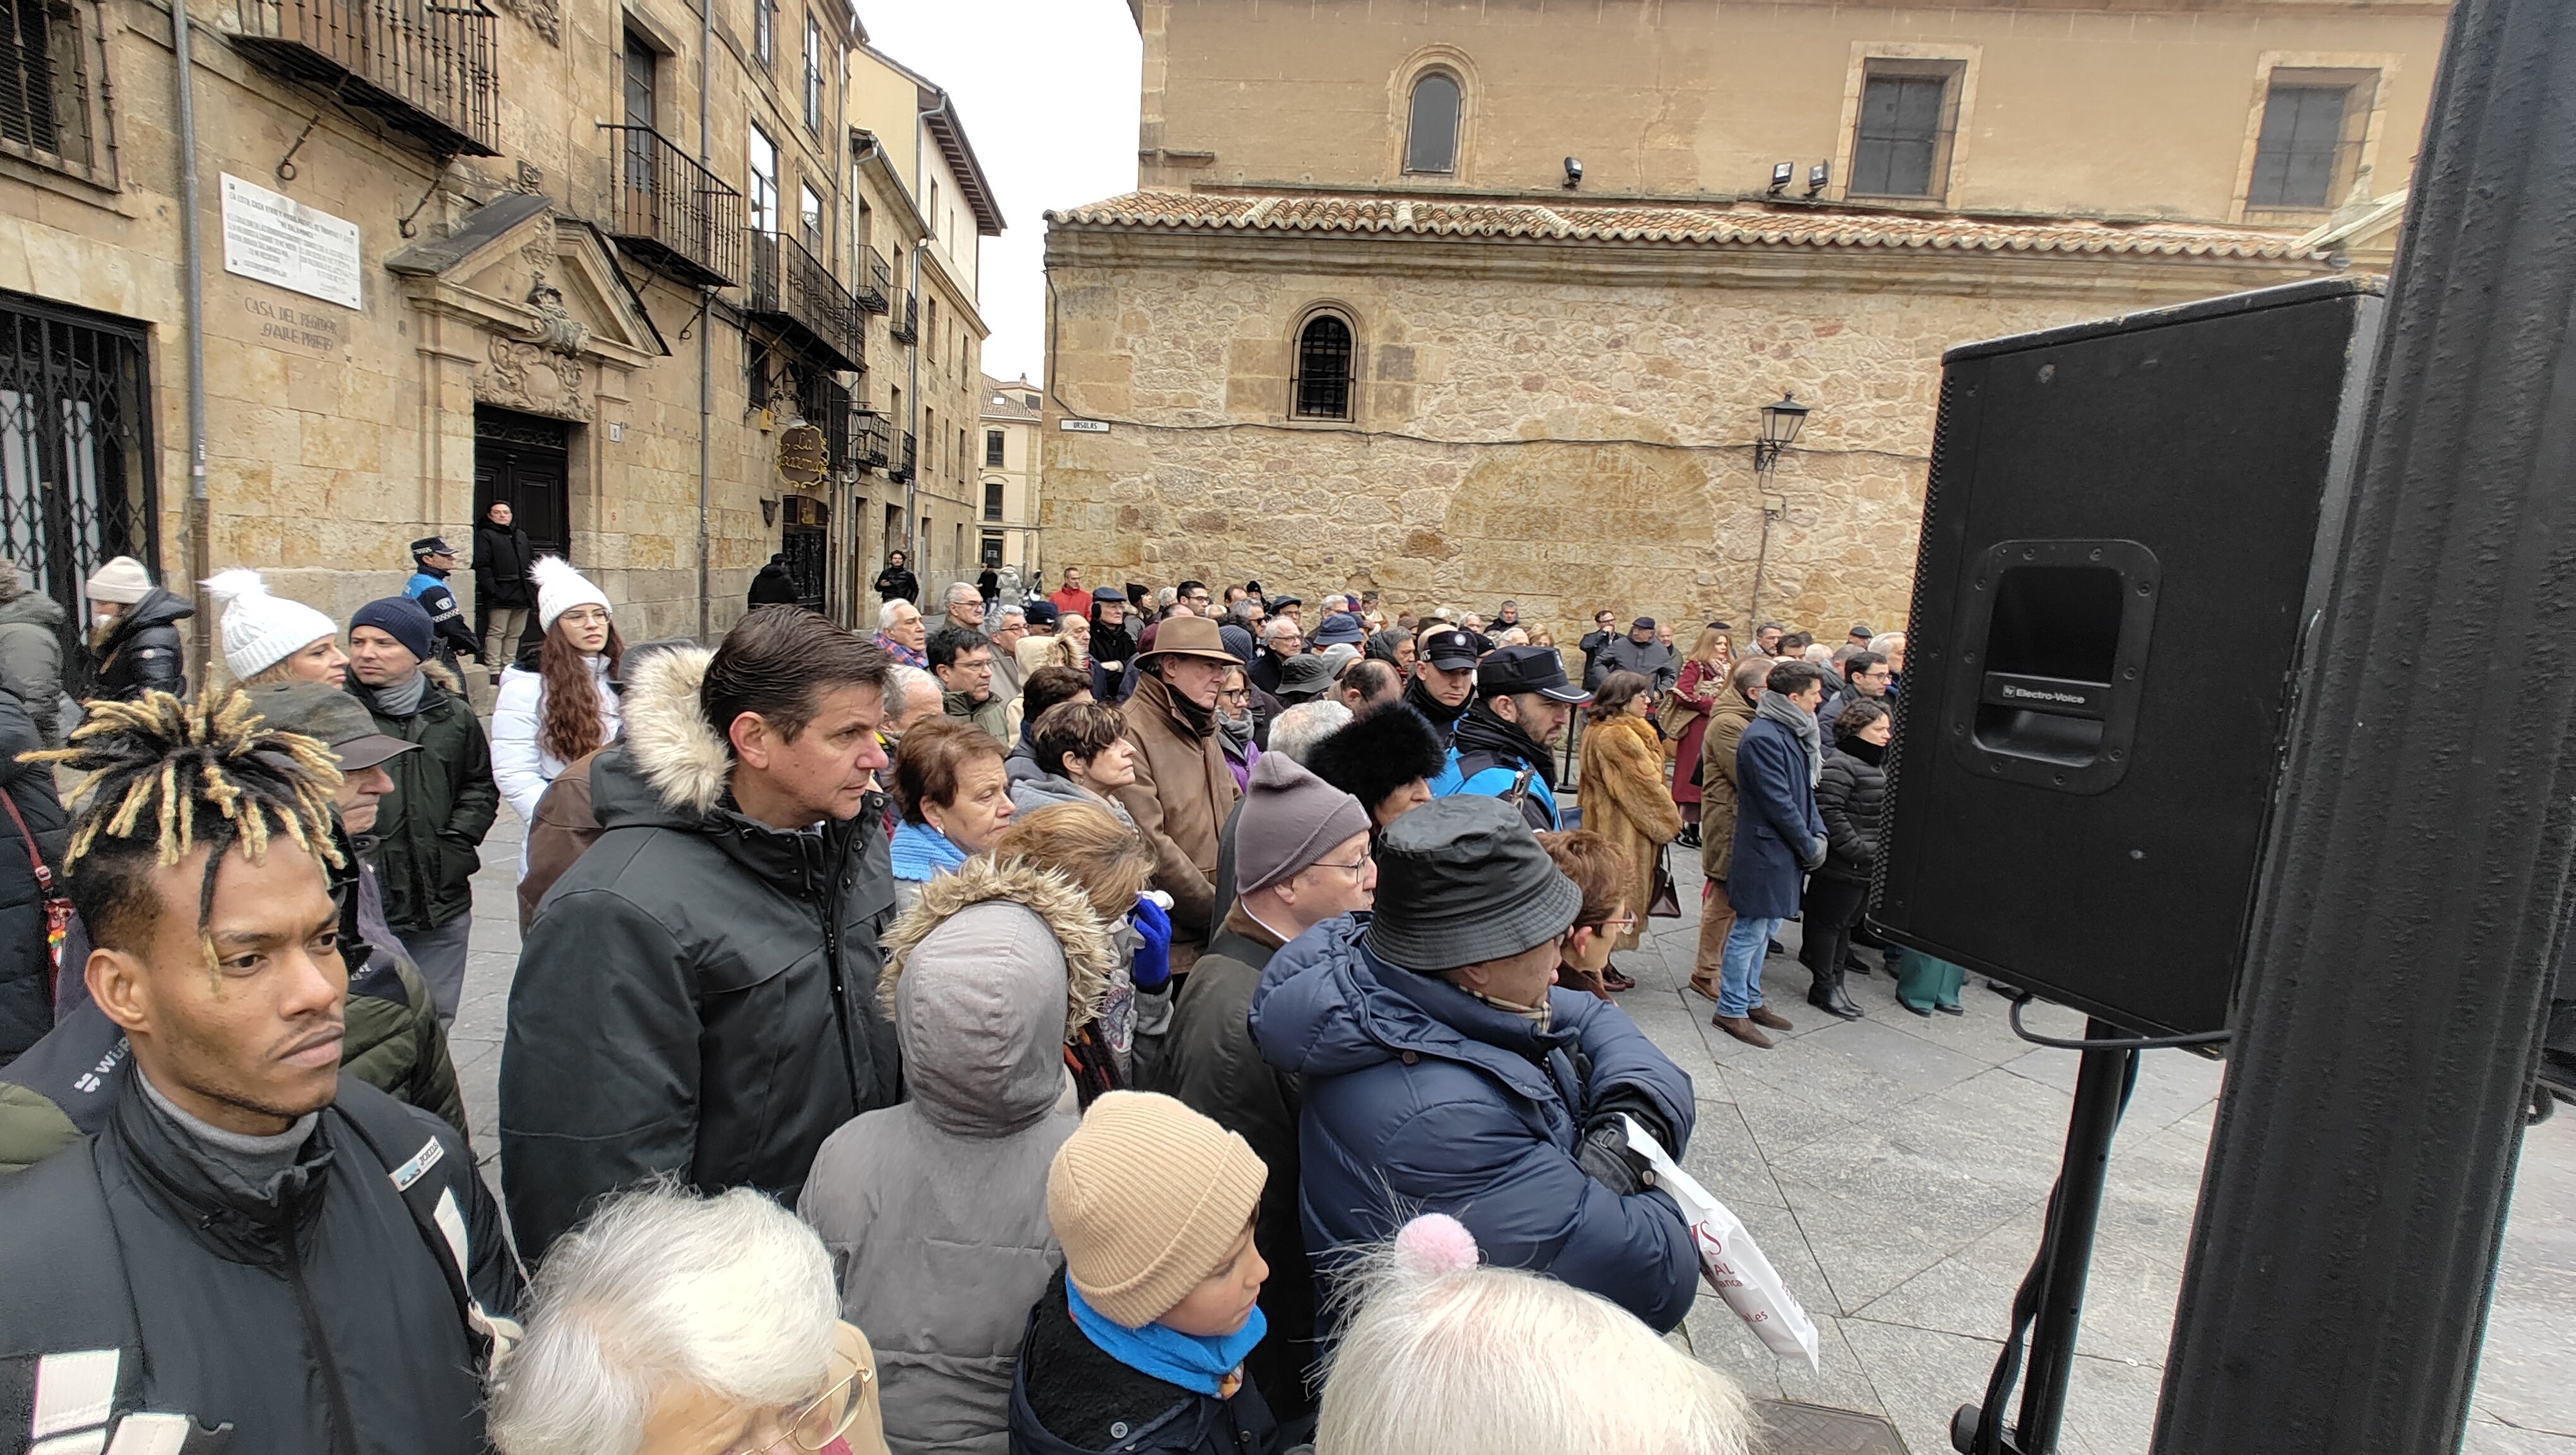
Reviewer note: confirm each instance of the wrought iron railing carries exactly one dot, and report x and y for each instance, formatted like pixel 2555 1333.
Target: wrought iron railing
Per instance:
pixel 899 463
pixel 871 439
pixel 667 210
pixel 904 322
pixel 871 279
pixel 48 109
pixel 429 69
pixel 793 292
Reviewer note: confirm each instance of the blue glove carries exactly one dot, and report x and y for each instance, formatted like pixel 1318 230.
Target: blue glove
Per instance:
pixel 1153 963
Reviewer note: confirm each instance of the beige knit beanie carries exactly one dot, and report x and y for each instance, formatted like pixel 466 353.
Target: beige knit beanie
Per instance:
pixel 1146 1197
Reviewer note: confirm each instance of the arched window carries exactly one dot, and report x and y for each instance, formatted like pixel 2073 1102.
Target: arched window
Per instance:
pixel 1323 384
pixel 1431 128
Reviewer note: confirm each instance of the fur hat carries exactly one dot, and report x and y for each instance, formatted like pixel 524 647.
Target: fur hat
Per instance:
pixel 560 588
pixel 1379 753
pixel 260 630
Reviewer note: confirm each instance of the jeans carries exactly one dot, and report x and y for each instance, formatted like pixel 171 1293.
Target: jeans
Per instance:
pixel 440 954
pixel 1739 984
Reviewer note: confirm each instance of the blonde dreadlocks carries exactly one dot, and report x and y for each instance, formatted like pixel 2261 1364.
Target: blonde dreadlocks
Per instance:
pixel 167 777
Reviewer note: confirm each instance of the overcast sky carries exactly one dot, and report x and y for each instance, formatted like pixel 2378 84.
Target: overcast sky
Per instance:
pixel 1047 90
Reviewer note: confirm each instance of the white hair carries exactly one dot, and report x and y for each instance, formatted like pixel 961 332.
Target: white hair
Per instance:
pixel 1886 641
pixel 890 615
pixel 1281 626
pixel 961 591
pixel 1295 733
pixel 1167 596
pixel 1337 602
pixel 1007 615
pixel 909 681
pixel 1819 653
pixel 663 1287
pixel 1502 1361
pixel 1512 637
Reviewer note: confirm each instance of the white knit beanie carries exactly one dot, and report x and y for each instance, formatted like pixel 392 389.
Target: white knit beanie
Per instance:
pixel 560 588
pixel 261 630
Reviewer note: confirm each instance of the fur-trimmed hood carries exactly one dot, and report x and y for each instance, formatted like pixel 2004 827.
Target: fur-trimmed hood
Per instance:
pixel 1376 754
pixel 666 733
pixel 1057 901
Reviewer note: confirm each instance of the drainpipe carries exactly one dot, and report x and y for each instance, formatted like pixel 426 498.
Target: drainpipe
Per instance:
pixel 920 195
pixel 706 315
pixel 193 329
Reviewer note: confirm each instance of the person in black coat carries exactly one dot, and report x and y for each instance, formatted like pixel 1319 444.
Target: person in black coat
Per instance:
pixel 26 964
pixel 775 584
pixel 1849 795
pixel 135 640
pixel 504 593
pixel 896 582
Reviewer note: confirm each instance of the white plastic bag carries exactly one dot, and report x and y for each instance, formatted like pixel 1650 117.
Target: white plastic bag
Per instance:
pixel 1727 1257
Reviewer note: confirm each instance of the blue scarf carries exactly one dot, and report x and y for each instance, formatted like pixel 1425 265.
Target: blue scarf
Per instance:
pixel 922 853
pixel 1193 1363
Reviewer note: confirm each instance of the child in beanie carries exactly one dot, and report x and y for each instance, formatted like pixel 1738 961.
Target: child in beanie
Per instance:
pixel 1138 1345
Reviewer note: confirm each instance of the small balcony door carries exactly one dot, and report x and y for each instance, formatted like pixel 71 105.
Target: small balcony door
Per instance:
pixel 641 65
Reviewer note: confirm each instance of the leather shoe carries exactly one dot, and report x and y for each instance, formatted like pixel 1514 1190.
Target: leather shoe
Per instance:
pixel 1827 995
pixel 1763 1015
pixel 1614 979
pixel 1855 965
pixel 1704 983
pixel 1947 1009
pixel 1741 1029
pixel 1918 1010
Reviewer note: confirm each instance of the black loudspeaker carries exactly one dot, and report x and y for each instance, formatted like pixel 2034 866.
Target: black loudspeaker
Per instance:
pixel 2127 537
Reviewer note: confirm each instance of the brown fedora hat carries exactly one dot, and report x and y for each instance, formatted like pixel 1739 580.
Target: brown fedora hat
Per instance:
pixel 1190 636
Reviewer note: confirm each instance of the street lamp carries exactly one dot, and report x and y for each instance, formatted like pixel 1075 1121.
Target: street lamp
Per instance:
pixel 1780 424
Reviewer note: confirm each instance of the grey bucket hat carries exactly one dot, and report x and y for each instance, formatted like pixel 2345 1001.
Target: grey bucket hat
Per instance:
pixel 1462 880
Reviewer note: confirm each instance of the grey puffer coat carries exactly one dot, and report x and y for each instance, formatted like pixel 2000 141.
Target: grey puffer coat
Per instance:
pixel 935 1210
pixel 31 653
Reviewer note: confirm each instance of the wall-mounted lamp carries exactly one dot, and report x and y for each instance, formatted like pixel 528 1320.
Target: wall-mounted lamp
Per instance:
pixel 1781 421
pixel 1573 172
pixel 1782 174
pixel 1817 176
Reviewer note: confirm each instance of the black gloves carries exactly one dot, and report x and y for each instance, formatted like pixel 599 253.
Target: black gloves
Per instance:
pixel 1603 1152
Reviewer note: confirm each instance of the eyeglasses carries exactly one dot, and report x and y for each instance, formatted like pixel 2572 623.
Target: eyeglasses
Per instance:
pixel 1237 694
pixel 1366 858
pixel 815 1424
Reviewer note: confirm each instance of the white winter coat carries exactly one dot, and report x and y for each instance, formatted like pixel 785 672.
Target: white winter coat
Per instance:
pixel 519 765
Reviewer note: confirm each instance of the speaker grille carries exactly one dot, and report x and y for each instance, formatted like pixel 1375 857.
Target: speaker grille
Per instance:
pixel 1916 616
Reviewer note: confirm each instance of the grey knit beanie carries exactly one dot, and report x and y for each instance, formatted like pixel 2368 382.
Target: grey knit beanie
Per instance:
pixel 1290 819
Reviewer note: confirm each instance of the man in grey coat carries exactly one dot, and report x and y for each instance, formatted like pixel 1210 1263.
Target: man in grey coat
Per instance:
pixel 935 1209
pixel 1639 652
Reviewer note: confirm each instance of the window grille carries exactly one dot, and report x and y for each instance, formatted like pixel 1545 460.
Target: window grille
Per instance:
pixel 2299 150
pixel 1323 383
pixel 1901 141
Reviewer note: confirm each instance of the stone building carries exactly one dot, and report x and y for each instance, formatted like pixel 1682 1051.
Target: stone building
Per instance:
pixel 1010 438
pixel 646 271
pixel 1473 302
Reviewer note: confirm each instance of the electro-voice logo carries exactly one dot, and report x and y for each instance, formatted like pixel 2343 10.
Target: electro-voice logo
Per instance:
pixel 2032 694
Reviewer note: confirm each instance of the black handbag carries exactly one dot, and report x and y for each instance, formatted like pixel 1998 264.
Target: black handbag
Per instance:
pixel 1664 901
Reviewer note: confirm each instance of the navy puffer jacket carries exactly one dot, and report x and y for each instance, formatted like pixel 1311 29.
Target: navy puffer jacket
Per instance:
pixel 1420 1098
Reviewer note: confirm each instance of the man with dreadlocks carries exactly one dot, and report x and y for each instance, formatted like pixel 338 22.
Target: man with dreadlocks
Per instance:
pixel 253 1241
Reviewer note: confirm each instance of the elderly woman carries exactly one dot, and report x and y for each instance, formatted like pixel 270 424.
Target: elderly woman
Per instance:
pixel 1624 798
pixel 673 1324
pixel 1442 1355
pixel 1081 755
pixel 954 797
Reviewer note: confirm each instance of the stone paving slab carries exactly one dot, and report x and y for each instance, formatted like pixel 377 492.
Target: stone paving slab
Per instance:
pixel 1895 1169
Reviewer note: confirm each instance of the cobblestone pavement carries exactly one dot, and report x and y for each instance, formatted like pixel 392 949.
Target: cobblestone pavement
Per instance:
pixel 1895 1169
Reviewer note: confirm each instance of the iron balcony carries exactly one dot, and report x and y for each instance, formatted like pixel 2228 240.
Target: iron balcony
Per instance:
pixel 792 292
pixel 671 213
pixel 429 70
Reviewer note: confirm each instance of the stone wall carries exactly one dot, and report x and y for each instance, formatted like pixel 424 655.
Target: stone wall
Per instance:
pixel 1573 435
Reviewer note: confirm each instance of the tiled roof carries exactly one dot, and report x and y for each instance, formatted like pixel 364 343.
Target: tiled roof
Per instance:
pixel 1742 224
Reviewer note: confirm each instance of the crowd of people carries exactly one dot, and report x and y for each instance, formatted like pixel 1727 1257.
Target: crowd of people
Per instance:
pixel 1124 1019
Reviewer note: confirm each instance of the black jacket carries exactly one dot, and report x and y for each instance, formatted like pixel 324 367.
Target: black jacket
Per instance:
pixel 1849 795
pixel 897 583
pixel 429 831
pixel 698 993
pixel 315 1316
pixel 26 965
pixel 1070 1398
pixel 773 585
pixel 1210 1063
pixel 142 653
pixel 1485 741
pixel 502 557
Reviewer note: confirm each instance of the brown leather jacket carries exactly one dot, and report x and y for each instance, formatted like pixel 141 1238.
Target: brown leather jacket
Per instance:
pixel 563 828
pixel 1182 794
pixel 1726 723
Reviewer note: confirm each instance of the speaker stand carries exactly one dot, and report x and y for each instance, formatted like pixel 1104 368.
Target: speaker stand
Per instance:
pixel 2050 1303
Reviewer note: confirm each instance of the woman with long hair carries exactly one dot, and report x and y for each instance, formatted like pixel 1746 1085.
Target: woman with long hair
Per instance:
pixel 1694 697
pixel 1624 800
pixel 1102 855
pixel 564 708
